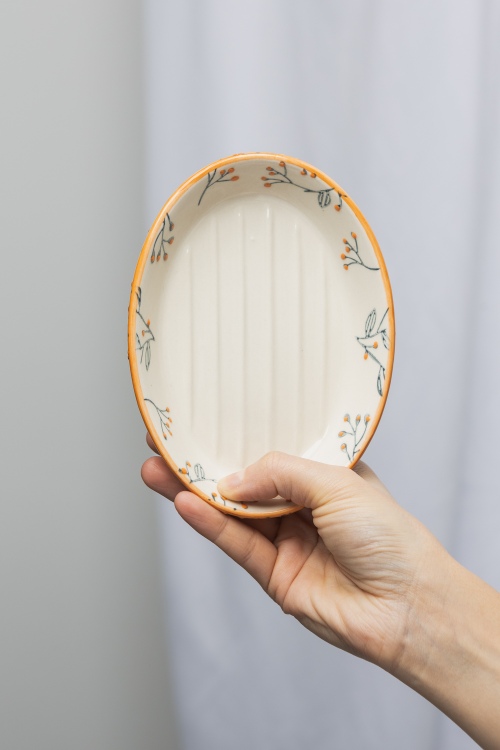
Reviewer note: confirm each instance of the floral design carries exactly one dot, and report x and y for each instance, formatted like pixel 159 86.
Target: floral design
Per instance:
pixel 194 473
pixel 225 175
pixel 161 240
pixel 164 417
pixel 351 254
pixel 354 435
pixel 371 342
pixel 279 176
pixel 143 333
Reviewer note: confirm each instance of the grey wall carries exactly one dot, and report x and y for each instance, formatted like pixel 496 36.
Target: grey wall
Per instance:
pixel 83 661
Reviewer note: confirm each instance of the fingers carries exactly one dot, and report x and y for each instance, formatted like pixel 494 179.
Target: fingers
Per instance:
pixel 149 441
pixel 158 477
pixel 242 542
pixel 305 483
pixel 269 527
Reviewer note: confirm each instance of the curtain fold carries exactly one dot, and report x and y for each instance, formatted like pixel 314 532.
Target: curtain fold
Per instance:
pixel 399 104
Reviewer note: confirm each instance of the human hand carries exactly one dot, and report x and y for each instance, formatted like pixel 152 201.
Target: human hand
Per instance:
pixel 363 574
pixel 346 566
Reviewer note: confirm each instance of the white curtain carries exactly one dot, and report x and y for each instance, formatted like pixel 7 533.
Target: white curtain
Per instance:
pixel 400 104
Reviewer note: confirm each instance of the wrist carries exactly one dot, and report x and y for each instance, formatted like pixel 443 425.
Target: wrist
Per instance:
pixel 451 651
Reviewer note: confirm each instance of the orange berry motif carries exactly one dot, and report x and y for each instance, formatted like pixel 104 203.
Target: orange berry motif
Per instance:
pixel 213 179
pixel 353 248
pixel 194 473
pixel 323 194
pixel 161 240
pixel 165 421
pixel 355 435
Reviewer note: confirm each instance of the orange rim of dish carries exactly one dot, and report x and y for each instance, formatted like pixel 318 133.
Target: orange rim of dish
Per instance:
pixel 139 271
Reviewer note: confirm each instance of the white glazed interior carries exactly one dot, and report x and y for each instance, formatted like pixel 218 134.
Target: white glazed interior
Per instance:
pixel 254 334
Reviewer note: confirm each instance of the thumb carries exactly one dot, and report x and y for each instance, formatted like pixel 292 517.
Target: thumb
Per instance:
pixel 306 483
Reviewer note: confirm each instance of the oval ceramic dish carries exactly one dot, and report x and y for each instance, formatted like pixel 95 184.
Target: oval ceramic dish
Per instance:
pixel 261 318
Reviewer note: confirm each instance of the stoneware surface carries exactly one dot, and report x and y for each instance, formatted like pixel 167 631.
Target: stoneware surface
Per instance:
pixel 260 319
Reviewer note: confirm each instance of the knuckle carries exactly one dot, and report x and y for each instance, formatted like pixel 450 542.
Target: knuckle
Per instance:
pixel 249 551
pixel 223 521
pixel 274 461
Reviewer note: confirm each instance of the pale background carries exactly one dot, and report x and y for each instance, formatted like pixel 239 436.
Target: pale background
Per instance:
pixel 120 629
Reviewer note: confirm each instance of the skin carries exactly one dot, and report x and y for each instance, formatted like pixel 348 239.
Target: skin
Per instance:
pixel 363 574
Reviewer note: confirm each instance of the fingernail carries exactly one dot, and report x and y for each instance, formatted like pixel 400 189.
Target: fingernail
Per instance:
pixel 229 484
